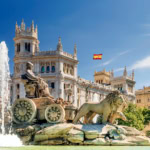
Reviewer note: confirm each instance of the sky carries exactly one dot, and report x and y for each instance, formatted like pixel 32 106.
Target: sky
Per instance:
pixel 118 29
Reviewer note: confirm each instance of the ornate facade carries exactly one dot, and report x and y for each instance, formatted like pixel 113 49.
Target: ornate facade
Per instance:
pixel 58 68
pixel 124 83
pixel 143 97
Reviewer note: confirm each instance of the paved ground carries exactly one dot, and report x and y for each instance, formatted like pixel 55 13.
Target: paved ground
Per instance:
pixel 77 148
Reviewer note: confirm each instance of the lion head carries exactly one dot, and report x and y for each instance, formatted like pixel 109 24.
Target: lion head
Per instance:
pixel 116 99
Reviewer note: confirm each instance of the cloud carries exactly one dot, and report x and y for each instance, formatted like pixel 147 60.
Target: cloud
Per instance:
pixel 124 52
pixel 106 63
pixel 113 59
pixel 148 34
pixel 119 69
pixel 146 25
pixel 141 64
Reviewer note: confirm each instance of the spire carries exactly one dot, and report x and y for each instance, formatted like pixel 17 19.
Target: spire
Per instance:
pixel 132 74
pixel 125 71
pixel 59 45
pixel 112 73
pixel 75 50
pixel 22 25
pixel 16 28
pixel 36 29
pixel 32 26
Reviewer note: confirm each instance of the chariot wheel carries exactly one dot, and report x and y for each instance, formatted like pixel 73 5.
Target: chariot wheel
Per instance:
pixel 24 111
pixel 55 113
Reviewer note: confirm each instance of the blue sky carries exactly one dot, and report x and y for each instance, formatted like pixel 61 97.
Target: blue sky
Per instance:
pixel 119 29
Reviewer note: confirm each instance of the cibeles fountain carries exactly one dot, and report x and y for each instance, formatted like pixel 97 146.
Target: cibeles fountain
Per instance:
pixel 39 119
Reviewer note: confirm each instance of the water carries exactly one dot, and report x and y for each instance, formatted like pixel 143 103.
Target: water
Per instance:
pixel 5 139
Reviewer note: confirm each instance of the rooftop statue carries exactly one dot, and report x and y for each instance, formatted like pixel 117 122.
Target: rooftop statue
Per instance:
pixel 35 86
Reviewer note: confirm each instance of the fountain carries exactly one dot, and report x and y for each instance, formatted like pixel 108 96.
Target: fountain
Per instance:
pixel 4 98
pixel 39 119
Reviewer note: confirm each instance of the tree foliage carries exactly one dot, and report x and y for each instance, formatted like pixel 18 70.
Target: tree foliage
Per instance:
pixel 146 114
pixel 135 117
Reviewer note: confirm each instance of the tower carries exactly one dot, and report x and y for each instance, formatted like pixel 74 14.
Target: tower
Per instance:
pixel 26 40
pixel 26 46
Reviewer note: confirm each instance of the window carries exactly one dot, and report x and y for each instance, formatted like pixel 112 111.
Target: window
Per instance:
pixel 138 101
pixel 18 86
pixel 68 98
pixel 18 96
pixel 18 47
pixel 47 69
pixel 42 69
pixel 52 85
pixel 27 47
pixel 148 100
pixel 53 68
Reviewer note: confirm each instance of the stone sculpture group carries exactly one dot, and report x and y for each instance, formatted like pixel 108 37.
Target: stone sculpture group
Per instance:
pixel 39 119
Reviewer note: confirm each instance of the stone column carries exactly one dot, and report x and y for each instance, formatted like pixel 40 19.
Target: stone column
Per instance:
pixel 56 88
pixel 61 88
pixel 75 71
pixel 22 47
pixel 32 47
pixel 75 94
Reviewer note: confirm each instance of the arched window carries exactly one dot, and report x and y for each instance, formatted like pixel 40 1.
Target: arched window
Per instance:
pixel 18 86
pixel 18 47
pixel 27 47
pixel 53 68
pixel 42 69
pixel 47 69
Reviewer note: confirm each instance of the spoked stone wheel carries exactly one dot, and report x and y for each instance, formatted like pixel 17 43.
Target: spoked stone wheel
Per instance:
pixel 54 113
pixel 24 111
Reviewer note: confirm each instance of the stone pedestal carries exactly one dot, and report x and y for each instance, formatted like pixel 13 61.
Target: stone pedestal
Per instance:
pixel 70 134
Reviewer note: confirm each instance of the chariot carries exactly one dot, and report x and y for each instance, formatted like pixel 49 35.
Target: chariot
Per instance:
pixel 27 110
pixel 39 105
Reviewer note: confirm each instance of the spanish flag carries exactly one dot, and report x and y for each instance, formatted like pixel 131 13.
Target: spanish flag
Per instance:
pixel 97 56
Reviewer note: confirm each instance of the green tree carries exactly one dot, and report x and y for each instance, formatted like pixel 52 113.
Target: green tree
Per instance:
pixel 135 117
pixel 146 114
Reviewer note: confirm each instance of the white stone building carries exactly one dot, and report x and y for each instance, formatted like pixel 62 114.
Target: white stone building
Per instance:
pixel 57 67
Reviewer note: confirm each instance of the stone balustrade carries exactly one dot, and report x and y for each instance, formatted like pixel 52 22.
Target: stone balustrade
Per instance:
pixel 44 53
pixel 67 54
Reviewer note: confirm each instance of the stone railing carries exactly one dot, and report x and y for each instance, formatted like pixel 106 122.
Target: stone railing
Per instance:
pixel 121 77
pixel 91 84
pixel 43 53
pixel 67 54
pixel 26 33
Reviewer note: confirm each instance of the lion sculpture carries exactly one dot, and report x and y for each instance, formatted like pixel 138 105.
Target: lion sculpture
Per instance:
pixel 110 108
